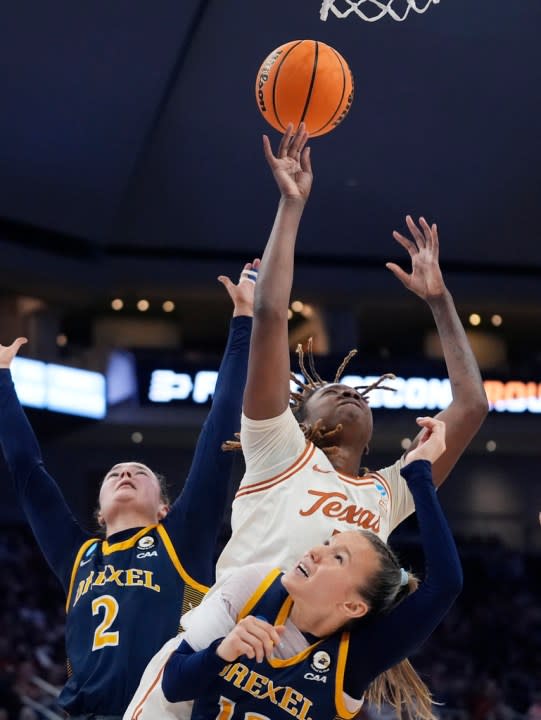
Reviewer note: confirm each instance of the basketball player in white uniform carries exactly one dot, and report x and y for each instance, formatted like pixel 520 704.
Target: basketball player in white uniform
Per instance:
pixel 295 494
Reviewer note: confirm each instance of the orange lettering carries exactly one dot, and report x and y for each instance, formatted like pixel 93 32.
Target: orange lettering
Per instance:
pixel 322 497
pixel 330 505
pixel 333 509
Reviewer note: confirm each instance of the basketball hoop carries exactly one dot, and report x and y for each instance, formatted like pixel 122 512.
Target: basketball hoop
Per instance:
pixel 397 9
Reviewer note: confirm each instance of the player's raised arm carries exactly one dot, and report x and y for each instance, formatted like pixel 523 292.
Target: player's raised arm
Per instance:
pixel 55 528
pixel 196 516
pixel 267 386
pixel 469 407
pixel 404 616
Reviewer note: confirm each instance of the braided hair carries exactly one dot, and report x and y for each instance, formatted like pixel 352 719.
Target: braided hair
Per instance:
pixel 317 433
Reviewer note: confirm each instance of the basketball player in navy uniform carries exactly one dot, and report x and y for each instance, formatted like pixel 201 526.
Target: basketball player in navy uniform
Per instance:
pixel 127 591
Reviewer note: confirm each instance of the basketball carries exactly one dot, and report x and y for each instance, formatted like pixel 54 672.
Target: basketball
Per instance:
pixel 304 80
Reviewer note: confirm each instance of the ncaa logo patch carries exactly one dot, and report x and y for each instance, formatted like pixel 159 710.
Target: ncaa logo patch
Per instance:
pixel 145 542
pixel 380 488
pixel 384 496
pixel 321 661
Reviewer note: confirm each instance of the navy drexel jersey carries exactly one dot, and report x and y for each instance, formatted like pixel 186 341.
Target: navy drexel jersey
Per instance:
pixel 307 686
pixel 125 599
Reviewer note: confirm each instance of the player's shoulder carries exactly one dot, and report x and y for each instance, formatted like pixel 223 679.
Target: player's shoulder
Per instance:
pixel 386 479
pixel 251 576
pixel 283 420
pixel 389 471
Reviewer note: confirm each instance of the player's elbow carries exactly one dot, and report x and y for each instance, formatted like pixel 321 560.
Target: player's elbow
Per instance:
pixel 478 409
pixel 474 409
pixel 480 402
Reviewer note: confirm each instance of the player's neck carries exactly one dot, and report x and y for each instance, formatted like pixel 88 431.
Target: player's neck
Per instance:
pixel 314 622
pixel 127 520
pixel 346 459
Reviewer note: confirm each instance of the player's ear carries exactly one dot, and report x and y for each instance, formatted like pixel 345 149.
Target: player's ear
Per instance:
pixel 355 608
pixel 162 512
pixel 99 518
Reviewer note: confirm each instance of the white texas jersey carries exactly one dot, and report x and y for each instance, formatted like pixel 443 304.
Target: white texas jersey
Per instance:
pixel 291 498
pixel 149 702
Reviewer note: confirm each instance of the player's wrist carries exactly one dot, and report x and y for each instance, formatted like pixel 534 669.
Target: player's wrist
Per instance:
pixel 243 310
pixel 224 652
pixel 292 201
pixel 440 299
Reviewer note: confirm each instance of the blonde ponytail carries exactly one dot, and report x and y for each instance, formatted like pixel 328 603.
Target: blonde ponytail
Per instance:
pixel 402 688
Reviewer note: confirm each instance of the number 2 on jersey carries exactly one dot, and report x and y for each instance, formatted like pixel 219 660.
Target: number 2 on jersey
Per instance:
pixel 227 708
pixel 102 637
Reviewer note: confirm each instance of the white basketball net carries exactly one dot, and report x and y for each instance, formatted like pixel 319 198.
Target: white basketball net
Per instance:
pixel 396 9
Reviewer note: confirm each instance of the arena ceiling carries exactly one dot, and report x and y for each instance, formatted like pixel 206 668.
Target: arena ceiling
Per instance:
pixel 130 145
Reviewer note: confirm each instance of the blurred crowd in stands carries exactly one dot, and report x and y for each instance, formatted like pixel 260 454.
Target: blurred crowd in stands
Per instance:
pixel 483 663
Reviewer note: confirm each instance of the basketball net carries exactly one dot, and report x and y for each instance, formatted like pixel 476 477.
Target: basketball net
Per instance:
pixel 397 9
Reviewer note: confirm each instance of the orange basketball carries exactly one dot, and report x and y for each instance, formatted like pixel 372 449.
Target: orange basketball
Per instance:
pixel 304 80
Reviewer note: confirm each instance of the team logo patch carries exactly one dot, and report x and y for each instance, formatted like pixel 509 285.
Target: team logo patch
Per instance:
pixel 321 661
pixel 380 488
pixel 88 553
pixel 384 496
pixel 321 470
pixel 145 542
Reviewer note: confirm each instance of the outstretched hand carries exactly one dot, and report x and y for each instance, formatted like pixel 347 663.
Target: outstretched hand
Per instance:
pixel 8 352
pixel 291 165
pixel 431 444
pixel 425 279
pixel 242 294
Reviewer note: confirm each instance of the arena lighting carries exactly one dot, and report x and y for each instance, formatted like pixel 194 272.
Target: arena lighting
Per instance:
pixel 59 388
pixel 413 393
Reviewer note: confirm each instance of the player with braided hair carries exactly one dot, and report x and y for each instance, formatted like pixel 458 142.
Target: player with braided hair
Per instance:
pixel 302 482
pixel 303 452
pixel 317 433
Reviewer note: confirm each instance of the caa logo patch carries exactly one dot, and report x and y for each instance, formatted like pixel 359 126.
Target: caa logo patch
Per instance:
pixel 321 661
pixel 145 543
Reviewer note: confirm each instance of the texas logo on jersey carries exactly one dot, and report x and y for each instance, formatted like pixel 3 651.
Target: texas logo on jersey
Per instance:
pixel 280 518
